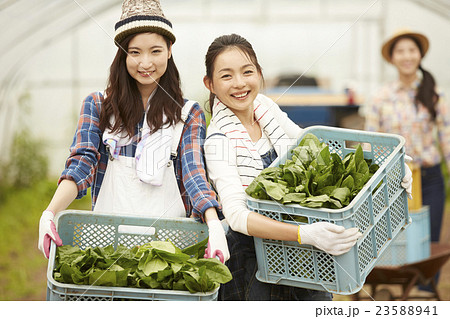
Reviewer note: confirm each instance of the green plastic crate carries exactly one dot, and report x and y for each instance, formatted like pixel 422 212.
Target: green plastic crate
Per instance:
pixel 380 211
pixel 86 229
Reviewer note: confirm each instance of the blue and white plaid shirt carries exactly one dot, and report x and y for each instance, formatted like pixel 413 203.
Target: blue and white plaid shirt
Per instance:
pixel 88 158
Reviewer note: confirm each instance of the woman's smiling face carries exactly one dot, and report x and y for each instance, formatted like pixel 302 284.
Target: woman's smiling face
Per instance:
pixel 406 56
pixel 235 80
pixel 147 59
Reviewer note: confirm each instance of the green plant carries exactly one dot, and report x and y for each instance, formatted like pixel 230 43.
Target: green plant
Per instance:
pixel 157 264
pixel 314 177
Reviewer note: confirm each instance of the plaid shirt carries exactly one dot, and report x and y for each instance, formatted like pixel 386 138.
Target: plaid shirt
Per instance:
pixel 393 111
pixel 88 158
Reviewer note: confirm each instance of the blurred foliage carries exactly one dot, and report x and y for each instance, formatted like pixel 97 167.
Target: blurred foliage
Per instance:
pixel 23 266
pixel 27 162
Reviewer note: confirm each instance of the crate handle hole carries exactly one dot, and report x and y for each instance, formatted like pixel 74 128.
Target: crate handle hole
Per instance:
pixel 294 218
pixel 136 230
pixel 354 144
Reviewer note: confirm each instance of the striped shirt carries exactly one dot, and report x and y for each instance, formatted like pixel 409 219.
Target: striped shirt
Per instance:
pixel 393 110
pixel 88 158
pixel 225 163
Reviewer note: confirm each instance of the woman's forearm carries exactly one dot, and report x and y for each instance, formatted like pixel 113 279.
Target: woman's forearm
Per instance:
pixel 211 214
pixel 265 227
pixel 65 194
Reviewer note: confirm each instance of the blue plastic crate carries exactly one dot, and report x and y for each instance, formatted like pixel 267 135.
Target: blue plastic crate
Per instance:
pixel 380 211
pixel 86 229
pixel 412 244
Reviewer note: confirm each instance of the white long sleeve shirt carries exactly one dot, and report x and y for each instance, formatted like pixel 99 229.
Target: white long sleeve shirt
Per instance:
pixel 222 166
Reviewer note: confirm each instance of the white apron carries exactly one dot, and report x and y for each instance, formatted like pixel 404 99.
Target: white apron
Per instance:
pixel 123 193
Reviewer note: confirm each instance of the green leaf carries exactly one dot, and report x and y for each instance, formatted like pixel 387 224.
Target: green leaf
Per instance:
pixel 293 198
pixel 154 265
pixel 317 199
pixel 256 188
pixel 359 155
pixel 122 277
pixel 274 190
pixel 177 257
pixel 179 284
pixel 143 259
pixel 373 168
pixel 293 175
pixel 164 246
pixel 103 278
pixel 324 180
pixel 196 250
pixel 334 203
pixel 324 158
pixel 167 283
pixel 150 282
pixel 191 284
pixel 303 156
pixel 203 279
pixel 162 274
pixel 176 267
pixel 271 173
pixel 348 183
pixel 215 270
pixel 327 190
pixel 67 254
pixel 360 179
pixel 66 272
pixel 341 194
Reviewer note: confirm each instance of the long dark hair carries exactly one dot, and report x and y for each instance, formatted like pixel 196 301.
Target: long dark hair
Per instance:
pixel 124 101
pixel 426 92
pixel 219 45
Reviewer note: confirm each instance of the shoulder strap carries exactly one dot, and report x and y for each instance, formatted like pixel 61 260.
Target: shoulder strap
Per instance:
pixel 178 129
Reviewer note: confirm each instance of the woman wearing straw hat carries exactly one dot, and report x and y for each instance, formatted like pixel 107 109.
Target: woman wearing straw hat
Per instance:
pixel 139 145
pixel 413 107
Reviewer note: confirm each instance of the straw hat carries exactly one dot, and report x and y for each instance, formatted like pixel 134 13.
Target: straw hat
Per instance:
pixel 386 48
pixel 142 16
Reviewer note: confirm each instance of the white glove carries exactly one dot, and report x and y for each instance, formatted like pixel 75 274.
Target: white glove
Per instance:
pixel 331 238
pixel 47 231
pixel 407 179
pixel 217 243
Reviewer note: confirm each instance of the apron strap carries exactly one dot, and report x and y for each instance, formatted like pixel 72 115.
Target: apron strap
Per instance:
pixel 178 129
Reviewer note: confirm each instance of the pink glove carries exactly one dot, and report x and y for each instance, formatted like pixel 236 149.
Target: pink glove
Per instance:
pixel 47 231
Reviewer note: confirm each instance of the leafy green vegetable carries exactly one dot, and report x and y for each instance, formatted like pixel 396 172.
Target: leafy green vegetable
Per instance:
pixel 157 264
pixel 314 177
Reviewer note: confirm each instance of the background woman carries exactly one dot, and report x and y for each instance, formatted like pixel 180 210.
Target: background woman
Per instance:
pixel 413 107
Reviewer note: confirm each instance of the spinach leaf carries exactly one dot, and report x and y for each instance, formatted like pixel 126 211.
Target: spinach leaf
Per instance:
pixel 196 250
pixel 154 265
pixel 274 190
pixel 215 270
pixel 293 198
